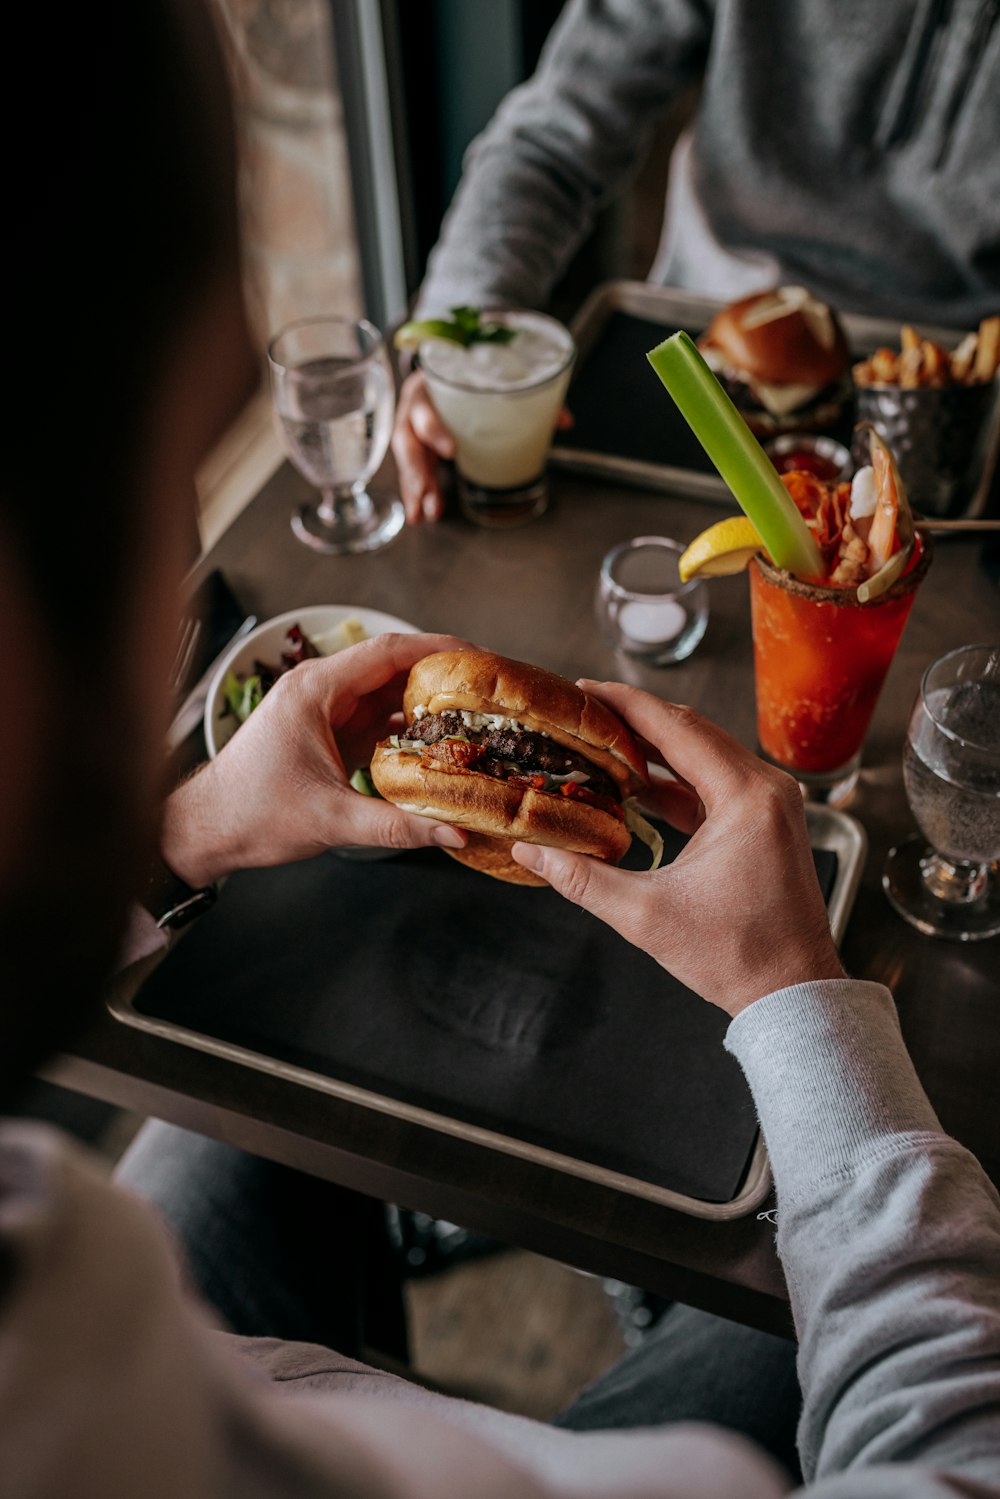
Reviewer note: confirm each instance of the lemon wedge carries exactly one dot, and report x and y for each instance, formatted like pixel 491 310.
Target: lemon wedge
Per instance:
pixel 724 548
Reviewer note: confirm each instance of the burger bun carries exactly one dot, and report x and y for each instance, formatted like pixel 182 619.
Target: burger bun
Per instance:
pixel 483 682
pixel 496 812
pixel 784 336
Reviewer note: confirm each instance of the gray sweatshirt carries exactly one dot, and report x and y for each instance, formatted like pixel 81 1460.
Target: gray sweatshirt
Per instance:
pixel 114 1386
pixel 851 146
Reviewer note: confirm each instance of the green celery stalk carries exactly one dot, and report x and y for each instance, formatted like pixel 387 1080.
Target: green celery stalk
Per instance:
pixel 741 461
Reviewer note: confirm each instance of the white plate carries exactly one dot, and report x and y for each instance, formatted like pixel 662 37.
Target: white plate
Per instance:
pixel 265 643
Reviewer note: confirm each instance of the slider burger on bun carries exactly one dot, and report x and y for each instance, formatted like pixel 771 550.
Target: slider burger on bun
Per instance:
pixel 511 752
pixel 783 358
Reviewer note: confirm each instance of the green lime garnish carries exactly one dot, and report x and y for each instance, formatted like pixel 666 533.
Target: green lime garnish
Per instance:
pixel 465 327
pixel 411 335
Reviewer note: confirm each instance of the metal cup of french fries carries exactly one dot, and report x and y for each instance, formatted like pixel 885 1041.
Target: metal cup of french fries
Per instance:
pixel 937 409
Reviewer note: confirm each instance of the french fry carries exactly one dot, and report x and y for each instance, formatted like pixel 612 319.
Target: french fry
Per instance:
pixel 935 362
pixel 921 362
pixel 988 352
pixel 963 358
pixel 911 364
pixel 885 367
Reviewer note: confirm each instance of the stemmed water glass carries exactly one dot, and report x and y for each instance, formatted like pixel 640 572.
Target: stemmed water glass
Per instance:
pixel 334 398
pixel 946 882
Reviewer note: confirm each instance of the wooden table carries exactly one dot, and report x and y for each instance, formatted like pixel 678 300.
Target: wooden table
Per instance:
pixel 529 593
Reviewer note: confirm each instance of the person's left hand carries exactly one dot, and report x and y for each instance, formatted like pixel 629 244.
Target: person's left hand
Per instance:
pixel 279 790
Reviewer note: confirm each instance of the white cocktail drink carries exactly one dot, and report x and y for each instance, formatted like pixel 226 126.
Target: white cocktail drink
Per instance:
pixel 500 403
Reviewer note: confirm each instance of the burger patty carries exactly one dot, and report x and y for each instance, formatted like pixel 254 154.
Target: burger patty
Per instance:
pixel 509 751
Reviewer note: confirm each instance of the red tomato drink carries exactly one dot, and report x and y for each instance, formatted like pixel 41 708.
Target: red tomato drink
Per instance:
pixel 820 658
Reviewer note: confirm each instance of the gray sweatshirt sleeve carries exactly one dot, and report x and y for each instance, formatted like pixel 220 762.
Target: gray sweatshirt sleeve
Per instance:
pixel 889 1233
pixel 560 147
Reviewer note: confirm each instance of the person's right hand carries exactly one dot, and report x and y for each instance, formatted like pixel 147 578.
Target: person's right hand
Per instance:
pixel 739 913
pixel 419 440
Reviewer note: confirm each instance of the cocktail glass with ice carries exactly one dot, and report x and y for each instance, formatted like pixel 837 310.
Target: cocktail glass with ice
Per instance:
pixel 500 401
pixel 945 881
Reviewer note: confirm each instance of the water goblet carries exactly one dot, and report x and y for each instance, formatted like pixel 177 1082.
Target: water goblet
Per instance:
pixel 946 882
pixel 334 399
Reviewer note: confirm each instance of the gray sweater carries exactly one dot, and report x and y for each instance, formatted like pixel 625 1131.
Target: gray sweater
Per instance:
pixel 852 146
pixel 114 1386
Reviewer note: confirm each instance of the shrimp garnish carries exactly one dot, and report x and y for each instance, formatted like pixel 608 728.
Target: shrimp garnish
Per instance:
pixel 892 534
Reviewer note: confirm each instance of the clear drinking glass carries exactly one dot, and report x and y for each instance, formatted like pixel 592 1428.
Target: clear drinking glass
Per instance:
pixel 947 881
pixel 334 399
pixel 642 606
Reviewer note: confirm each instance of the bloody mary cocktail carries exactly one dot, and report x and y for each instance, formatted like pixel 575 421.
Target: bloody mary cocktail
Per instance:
pixel 834 569
pixel 820 658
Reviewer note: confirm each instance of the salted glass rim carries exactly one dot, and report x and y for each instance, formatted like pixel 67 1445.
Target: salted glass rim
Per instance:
pixel 632 595
pixel 330 320
pixel 960 650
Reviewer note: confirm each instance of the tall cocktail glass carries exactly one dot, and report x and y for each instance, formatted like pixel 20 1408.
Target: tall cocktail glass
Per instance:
pixel 500 402
pixel 820 659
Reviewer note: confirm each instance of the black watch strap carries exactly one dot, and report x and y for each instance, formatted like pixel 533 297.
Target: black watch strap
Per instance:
pixel 171 902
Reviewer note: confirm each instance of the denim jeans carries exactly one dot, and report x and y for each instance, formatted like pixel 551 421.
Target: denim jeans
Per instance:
pixel 275 1252
pixel 281 1254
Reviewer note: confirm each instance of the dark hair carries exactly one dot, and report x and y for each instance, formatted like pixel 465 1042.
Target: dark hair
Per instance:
pixel 128 216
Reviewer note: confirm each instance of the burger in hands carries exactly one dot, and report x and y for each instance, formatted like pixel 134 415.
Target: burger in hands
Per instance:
pixel 511 752
pixel 783 358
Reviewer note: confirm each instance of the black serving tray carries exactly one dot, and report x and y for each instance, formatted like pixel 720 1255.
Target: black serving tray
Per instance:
pixel 626 427
pixel 418 988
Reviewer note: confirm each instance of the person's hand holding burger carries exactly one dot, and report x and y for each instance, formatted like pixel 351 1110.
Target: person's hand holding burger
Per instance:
pixel 527 777
pixel 739 913
pixel 280 789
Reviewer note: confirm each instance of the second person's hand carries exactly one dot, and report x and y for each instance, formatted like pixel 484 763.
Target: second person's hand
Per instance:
pixel 419 441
